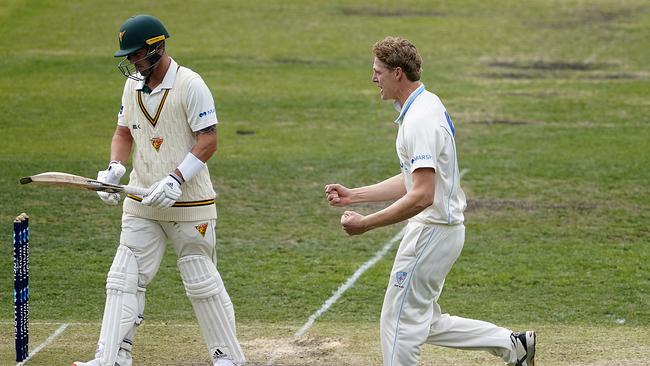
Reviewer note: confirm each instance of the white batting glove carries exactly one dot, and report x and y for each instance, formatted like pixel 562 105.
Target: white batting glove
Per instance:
pixel 163 194
pixel 111 175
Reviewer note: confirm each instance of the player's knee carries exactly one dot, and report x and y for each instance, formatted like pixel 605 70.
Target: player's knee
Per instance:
pixel 123 275
pixel 200 277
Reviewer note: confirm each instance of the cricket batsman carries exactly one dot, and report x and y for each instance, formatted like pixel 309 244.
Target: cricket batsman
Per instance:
pixel 168 122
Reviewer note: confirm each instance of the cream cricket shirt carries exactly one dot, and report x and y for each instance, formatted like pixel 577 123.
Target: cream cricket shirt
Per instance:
pixel 426 140
pixel 162 124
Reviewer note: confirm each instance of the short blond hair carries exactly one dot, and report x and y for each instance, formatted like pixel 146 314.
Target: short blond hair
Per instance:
pixel 399 52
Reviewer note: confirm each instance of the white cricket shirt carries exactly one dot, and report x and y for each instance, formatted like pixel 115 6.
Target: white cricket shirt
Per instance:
pixel 425 139
pixel 163 124
pixel 201 112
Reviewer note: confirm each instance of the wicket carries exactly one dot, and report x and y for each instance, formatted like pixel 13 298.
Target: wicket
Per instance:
pixel 21 285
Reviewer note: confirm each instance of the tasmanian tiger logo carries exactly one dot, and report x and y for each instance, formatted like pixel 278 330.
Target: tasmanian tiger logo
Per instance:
pixel 156 142
pixel 201 228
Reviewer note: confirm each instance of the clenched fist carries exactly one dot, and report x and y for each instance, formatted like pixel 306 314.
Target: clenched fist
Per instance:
pixel 353 223
pixel 337 195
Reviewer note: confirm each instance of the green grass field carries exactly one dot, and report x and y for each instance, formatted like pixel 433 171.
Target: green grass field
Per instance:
pixel 550 100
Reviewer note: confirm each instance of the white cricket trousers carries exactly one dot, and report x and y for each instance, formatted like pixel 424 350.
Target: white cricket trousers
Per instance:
pixel 147 240
pixel 411 315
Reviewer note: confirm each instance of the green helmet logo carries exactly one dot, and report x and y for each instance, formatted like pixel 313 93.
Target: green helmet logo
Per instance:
pixel 138 32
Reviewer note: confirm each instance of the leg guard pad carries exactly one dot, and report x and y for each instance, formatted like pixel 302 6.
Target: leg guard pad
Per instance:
pixel 124 354
pixel 212 306
pixel 122 308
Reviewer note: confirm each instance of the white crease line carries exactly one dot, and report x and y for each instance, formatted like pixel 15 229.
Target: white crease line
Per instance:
pixel 350 281
pixel 47 342
pixel 615 38
pixel 354 277
pixel 277 352
pixel 158 324
pixel 312 318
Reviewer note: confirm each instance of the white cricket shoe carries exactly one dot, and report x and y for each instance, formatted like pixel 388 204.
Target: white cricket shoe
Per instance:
pixel 94 362
pixel 224 362
pixel 525 347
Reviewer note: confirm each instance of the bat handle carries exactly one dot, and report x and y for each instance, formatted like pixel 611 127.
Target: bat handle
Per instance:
pixel 136 190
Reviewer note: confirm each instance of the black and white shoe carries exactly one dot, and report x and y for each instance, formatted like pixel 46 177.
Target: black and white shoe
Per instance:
pixel 525 347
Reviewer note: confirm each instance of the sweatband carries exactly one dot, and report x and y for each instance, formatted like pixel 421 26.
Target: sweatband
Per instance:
pixel 190 166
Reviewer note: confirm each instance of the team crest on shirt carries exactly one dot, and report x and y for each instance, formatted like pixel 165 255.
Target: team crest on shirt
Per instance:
pixel 156 142
pixel 201 228
pixel 400 277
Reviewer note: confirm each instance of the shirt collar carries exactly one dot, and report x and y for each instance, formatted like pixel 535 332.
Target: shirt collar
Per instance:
pixel 403 109
pixel 168 80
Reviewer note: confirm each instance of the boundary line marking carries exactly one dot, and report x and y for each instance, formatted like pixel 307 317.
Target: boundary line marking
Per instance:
pixel 46 343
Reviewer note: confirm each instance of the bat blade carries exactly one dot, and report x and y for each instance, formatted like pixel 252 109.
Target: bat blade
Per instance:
pixel 79 182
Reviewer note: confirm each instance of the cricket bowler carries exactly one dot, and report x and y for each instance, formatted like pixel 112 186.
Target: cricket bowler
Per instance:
pixel 427 193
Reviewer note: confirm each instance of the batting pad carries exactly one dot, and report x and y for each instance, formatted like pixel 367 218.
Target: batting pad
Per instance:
pixel 124 354
pixel 122 309
pixel 211 303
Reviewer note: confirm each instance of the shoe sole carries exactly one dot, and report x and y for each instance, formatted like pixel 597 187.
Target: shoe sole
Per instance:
pixel 531 336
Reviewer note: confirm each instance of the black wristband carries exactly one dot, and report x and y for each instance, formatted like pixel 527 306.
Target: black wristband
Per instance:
pixel 176 178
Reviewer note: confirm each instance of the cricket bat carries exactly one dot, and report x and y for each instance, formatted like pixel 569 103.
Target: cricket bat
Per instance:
pixel 76 181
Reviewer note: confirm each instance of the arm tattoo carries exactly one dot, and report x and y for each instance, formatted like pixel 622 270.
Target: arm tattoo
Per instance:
pixel 207 130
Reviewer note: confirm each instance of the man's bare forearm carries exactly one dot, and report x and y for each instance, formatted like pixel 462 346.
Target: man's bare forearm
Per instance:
pixel 410 204
pixel 388 190
pixel 206 143
pixel 406 207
